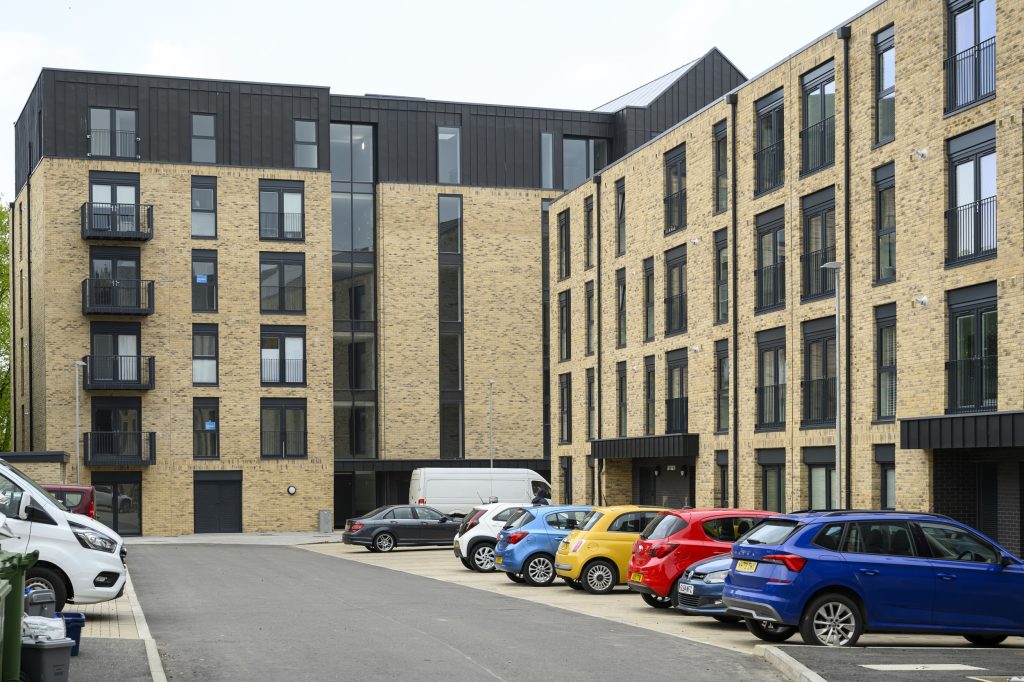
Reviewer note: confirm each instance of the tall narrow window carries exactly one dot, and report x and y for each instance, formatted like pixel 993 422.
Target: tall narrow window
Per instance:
pixel 819 216
pixel 649 395
pixel 204 207
pixel 722 483
pixel 721 152
pixel 204 354
pixel 621 399
pixel 451 346
pixel 770 154
pixel 204 281
pixel 648 299
pixel 283 427
pixel 771 260
pixel 885 85
pixel 771 381
pixel 721 277
pixel 675 189
pixel 204 138
pixel 971 65
pixel 282 355
pixel 281 212
pixel 588 232
pixel 971 218
pixel 885 219
pixel 722 386
pixel 885 360
pixel 581 157
pixel 564 326
pixel 821 484
pixel 818 138
pixel 547 163
pixel 591 322
pixel 449 161
pixel 620 308
pixel 675 290
pixel 305 144
pixel 591 405
pixel 282 282
pixel 565 408
pixel 973 366
pixel 112 132
pixel 564 245
pixel 819 384
pixel 885 457
pixel 205 428
pixel 620 217
pixel 677 406
pixel 773 479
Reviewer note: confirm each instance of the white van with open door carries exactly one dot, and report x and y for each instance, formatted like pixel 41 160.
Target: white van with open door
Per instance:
pixel 457 490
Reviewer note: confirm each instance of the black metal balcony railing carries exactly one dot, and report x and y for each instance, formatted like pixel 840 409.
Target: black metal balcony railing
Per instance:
pixel 818 144
pixel 971 231
pixel 818 281
pixel 721 302
pixel 204 444
pixel 280 225
pixel 675 211
pixel 118 372
pixel 102 296
pixel 771 285
pixel 973 384
pixel 289 298
pixel 771 406
pixel 769 164
pixel 675 314
pixel 970 75
pixel 819 401
pixel 294 371
pixel 204 296
pixel 283 443
pixel 676 415
pixel 119 448
pixel 121 144
pixel 117 221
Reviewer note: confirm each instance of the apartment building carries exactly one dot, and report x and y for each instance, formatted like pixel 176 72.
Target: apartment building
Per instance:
pixel 874 175
pixel 236 305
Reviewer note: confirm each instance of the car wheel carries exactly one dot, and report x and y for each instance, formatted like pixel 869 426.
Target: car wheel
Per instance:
pixel 574 584
pixel 770 632
pixel 385 542
pixel 43 578
pixel 539 571
pixel 466 562
pixel 482 557
pixel 831 620
pixel 515 577
pixel 656 601
pixel 985 640
pixel 727 619
pixel 599 577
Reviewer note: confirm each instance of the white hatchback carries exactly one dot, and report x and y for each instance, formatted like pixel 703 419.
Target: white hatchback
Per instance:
pixel 475 540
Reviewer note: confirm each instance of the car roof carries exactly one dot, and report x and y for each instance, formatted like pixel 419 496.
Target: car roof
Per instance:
pixel 705 512
pixel 619 508
pixel 824 516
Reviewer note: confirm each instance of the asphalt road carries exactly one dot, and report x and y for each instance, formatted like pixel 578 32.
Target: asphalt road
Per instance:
pixel 279 613
pixel 933 664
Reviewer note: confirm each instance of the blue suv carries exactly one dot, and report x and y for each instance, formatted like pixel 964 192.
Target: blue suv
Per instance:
pixel 835 575
pixel 527 544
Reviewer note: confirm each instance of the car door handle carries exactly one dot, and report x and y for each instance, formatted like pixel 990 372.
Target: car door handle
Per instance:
pixel 868 571
pixel 946 576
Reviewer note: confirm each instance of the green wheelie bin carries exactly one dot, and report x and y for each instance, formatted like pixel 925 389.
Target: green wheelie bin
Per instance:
pixel 12 571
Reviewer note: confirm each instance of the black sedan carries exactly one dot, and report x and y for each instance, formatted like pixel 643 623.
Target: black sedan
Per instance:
pixel 401 525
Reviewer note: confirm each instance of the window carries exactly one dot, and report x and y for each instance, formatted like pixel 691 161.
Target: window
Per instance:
pixel 114 281
pixel 588 233
pixel 204 207
pixel 581 157
pixel 205 428
pixel 773 487
pixel 771 261
pixel 305 144
pixel 450 360
pixel 450 293
pixel 721 154
pixel 204 281
pixel 971 65
pixel 675 291
pixel 450 397
pixel 821 486
pixel 973 364
pixel 547 167
pixel 947 542
pixel 818 138
pixel 283 427
pixel 351 153
pixel 620 217
pixel 722 386
pixel 649 395
pixel 282 355
pixel 112 132
pixel 204 354
pixel 449 165
pixel 728 528
pixel 769 155
pixel 771 381
pixel 565 408
pixel 281 214
pixel 449 224
pixel 620 308
pixel 971 218
pixel 891 538
pixel 564 326
pixel 885 360
pixel 648 299
pixel 282 282
pixel 885 86
pixel 620 399
pixel 722 479
pixel 588 293
pixel 591 406
pixel 819 214
pixel 677 392
pixel 885 220
pixel 631 522
pixel 451 430
pixel 819 384
pixel 204 138
pixel 114 206
pixel 564 245
pixel 721 277
pixel 675 189
pixel 115 360
pixel 885 457
pixel 352 178
pixel 353 294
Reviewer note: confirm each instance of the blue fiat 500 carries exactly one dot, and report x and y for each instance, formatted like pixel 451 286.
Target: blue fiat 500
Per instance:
pixel 527 544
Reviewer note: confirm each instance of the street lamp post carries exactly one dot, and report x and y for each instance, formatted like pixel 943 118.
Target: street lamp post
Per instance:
pixel 835 267
pixel 78 438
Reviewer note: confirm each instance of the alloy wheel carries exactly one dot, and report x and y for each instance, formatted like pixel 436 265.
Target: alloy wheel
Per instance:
pixel 600 578
pixel 384 542
pixel 483 558
pixel 541 571
pixel 834 624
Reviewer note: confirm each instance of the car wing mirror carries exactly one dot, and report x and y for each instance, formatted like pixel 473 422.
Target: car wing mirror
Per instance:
pixel 444 519
pixel 26 500
pixel 1006 560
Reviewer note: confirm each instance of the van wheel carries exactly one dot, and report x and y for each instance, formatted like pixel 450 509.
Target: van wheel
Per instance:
pixel 385 542
pixel 515 577
pixel 574 584
pixel 831 620
pixel 539 571
pixel 599 577
pixel 656 601
pixel 985 640
pixel 42 578
pixel 770 632
pixel 482 557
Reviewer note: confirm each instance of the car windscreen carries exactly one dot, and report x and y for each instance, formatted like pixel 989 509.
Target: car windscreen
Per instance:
pixel 771 532
pixel 519 521
pixel 36 489
pixel 590 520
pixel 519 513
pixel 662 526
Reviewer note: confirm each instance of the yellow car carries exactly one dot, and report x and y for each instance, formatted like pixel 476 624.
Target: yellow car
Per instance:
pixel 596 556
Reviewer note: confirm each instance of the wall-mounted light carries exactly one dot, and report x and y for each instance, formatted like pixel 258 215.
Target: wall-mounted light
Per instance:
pixel 695 349
pixel 921 154
pixel 695 241
pixel 292 490
pixel 921 301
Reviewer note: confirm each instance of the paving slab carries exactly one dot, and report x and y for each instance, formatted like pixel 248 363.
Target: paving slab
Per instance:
pixel 105 659
pixel 913 664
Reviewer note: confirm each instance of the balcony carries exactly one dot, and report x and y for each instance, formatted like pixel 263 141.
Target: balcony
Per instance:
pixel 971 231
pixel 676 415
pixel 818 282
pixel 771 286
pixel 970 75
pixel 283 444
pixel 118 373
pixel 819 402
pixel 128 222
pixel 769 165
pixel 117 296
pixel 973 384
pixel 818 145
pixel 675 211
pixel 276 371
pixel 289 298
pixel 675 314
pixel 119 448
pixel 771 407
pixel 280 225
pixel 118 144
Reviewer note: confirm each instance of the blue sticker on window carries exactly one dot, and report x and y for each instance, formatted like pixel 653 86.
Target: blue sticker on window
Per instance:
pixel 200 279
pixel 211 426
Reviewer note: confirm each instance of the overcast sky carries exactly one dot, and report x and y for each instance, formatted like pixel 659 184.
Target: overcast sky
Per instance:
pixel 556 53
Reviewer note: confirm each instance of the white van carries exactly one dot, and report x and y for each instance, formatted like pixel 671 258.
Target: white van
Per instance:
pixel 80 559
pixel 458 490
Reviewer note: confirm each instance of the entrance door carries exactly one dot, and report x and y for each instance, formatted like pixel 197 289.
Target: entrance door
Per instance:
pixel 119 500
pixel 344 486
pixel 217 501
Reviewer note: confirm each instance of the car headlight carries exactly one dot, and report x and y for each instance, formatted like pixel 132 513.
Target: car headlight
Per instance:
pixel 716 577
pixel 91 539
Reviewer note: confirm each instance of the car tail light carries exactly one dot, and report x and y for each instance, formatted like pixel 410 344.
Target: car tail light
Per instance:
pixel 474 520
pixel 513 538
pixel 92 508
pixel 422 500
pixel 658 551
pixel 356 526
pixel 576 546
pixel 791 561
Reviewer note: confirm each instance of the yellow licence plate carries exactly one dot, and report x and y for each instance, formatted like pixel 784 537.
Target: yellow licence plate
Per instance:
pixel 637 578
pixel 498 559
pixel 746 566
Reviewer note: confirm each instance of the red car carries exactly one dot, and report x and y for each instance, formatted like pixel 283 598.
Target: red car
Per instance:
pixel 677 538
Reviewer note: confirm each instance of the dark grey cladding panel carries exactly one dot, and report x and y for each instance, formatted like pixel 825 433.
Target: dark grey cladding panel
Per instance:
pixel 645 447
pixel 965 431
pixel 38 456
pixel 825 454
pixel 539 465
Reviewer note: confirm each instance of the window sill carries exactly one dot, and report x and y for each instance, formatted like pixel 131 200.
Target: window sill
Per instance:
pixel 588 267
pixel 770 309
pixel 717 323
pixel 818 297
pixel 674 332
pixel 649 340
pixel 808 173
pixel 562 278
pixel 214 385
pixel 293 240
pixel 282 312
pixel 561 360
pixel 204 311
pixel 882 143
pixel 205 459
pixel 204 237
pixel 720 433
pixel 967 107
pixel 674 230
pixel 883 282
pixel 988 255
pixel 971 410
pixel 283 458
pixel 565 442
pixel 590 354
pixel 883 420
pixel 766 192
pixel 281 384
pixel 719 211
pixel 772 428
pixel 619 345
pixel 817 427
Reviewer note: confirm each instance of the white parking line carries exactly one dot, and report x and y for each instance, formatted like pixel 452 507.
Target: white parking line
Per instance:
pixel 922 667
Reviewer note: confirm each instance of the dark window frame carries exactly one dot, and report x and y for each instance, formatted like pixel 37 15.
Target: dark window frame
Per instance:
pixel 282 334
pixel 194 136
pixel 885 469
pixel 979 49
pixel 564 246
pixel 817 283
pixel 620 217
pixel 547 160
pixel 720 152
pixel 650 388
pixel 818 392
pixel 983 210
pixel 829 492
pixel 280 260
pixel 676 321
pixel 885 181
pixel 200 404
pixel 204 256
pixel 675 192
pixel 591 400
pixel 564 325
pixel 885 41
pixel 776 348
pixel 621 400
pixel 723 477
pixel 777 471
pixel 281 405
pixel 884 323
pixel 977 309
pixel 297 143
pixel 620 308
pixel 591 322
pixel 770 157
pixel 588 232
pixel 207 330
pixel 721 277
pixel 458 154
pixel 281 188
pixel 817 139
pixel 677 414
pixel 202 182
pixel 565 408
pixel 722 386
pixel 648 299
pixel 113 130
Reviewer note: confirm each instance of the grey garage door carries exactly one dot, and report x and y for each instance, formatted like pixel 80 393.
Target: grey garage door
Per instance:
pixel 218 501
